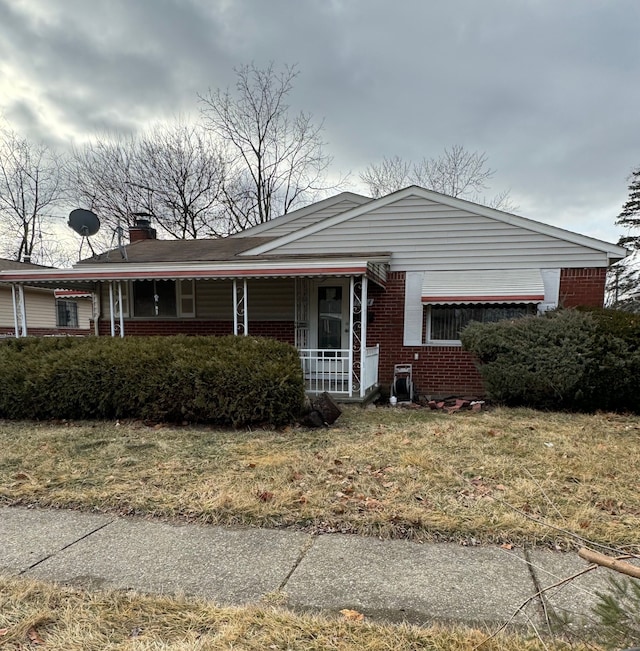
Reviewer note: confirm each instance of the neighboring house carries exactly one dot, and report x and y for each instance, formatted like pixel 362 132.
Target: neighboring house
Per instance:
pixel 47 311
pixel 357 285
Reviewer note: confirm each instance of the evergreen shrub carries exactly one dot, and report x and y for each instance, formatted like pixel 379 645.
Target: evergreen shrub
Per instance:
pixel 566 359
pixel 237 381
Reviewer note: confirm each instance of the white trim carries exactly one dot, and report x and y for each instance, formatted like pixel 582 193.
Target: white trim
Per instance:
pixel 363 335
pixel 111 314
pixel 15 310
pixel 120 314
pixel 614 252
pixel 347 266
pixel 413 310
pixel 551 280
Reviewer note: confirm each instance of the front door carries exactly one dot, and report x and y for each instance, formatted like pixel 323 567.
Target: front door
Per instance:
pixel 327 364
pixel 332 315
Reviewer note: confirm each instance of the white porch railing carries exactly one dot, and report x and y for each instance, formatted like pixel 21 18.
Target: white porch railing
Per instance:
pixel 370 369
pixel 330 370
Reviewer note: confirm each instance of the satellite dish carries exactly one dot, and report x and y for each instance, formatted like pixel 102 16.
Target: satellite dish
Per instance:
pixel 84 222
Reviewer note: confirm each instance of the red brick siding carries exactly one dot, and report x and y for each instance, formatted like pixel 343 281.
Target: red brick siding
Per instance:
pixel 438 370
pixel 582 287
pixel 280 330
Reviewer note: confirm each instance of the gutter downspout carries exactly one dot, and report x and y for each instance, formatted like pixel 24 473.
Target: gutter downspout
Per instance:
pixel 15 310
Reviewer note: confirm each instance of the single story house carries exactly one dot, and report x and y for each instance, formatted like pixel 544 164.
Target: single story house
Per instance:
pixel 47 311
pixel 358 285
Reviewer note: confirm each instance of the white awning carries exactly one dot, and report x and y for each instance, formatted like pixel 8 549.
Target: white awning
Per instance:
pixel 483 286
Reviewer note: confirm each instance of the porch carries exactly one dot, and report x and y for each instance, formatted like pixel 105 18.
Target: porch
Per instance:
pixel 321 311
pixel 333 371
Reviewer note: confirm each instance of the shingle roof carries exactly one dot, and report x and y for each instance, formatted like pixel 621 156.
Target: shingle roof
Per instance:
pixel 14 265
pixel 217 250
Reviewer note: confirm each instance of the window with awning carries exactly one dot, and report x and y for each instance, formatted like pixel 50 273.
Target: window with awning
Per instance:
pixel 483 286
pixel 453 299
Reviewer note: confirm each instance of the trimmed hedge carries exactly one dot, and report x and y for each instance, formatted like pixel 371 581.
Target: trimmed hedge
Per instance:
pixel 231 380
pixel 567 359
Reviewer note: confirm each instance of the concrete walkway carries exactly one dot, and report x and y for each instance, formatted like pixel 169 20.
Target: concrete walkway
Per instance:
pixel 393 580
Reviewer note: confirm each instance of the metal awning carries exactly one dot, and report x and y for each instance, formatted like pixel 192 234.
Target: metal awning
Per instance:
pixel 483 286
pixel 84 277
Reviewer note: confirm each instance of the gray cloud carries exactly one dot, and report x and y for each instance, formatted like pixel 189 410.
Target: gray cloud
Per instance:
pixel 549 90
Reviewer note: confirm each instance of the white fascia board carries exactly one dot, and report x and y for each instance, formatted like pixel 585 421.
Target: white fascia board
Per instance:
pixel 301 212
pixel 613 251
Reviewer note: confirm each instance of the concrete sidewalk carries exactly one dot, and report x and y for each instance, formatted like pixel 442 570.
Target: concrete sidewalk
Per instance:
pixel 391 579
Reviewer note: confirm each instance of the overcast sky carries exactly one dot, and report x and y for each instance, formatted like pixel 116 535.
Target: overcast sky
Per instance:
pixel 548 89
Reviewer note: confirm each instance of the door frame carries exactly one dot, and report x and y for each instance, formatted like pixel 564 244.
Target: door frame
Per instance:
pixel 345 284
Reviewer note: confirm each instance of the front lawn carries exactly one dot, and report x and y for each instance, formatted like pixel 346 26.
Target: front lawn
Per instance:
pixel 499 476
pixel 37 615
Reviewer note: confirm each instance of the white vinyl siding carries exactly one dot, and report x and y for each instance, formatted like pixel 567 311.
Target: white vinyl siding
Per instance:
pixel 85 312
pixel 312 218
pixel 425 235
pixel 40 306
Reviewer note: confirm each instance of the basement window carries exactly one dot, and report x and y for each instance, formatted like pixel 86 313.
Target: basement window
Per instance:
pixel 443 323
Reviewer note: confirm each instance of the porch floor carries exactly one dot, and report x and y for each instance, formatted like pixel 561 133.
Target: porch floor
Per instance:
pixel 371 395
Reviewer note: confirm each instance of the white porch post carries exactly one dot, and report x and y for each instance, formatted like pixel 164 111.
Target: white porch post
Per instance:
pixel 120 308
pixel 363 335
pixel 23 310
pixel 111 310
pixel 15 310
pixel 351 333
pixel 240 308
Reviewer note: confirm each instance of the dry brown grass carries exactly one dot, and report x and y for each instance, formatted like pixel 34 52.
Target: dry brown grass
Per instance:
pixel 493 476
pixel 65 619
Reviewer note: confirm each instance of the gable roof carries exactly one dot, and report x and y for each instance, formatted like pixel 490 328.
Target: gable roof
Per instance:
pixel 329 206
pixel 612 251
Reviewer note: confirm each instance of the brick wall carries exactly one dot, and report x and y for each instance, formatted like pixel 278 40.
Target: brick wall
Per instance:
pixel 439 370
pixel 280 330
pixel 582 287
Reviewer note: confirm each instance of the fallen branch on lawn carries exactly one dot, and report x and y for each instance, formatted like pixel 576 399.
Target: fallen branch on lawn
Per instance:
pixel 612 563
pixel 527 601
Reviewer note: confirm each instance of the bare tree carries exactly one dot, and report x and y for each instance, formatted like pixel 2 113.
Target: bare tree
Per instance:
pixel 276 160
pixel 172 173
pixel 182 173
pixel 30 188
pixel 457 173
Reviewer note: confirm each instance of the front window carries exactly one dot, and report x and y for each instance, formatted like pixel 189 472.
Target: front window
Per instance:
pixel 156 298
pixel 66 313
pixel 445 322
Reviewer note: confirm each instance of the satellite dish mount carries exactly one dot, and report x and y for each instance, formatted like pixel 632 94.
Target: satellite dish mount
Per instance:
pixel 85 223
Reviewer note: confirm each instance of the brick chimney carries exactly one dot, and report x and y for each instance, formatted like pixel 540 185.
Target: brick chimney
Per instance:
pixel 141 230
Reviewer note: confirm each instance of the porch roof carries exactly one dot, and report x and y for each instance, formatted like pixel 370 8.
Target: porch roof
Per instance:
pixel 85 276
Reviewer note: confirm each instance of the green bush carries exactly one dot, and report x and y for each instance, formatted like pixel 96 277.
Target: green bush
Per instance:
pixel 567 359
pixel 235 381
pixel 612 380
